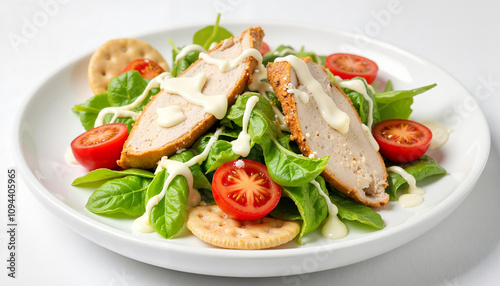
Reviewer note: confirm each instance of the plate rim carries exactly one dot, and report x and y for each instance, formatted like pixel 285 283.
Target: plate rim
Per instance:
pixel 47 199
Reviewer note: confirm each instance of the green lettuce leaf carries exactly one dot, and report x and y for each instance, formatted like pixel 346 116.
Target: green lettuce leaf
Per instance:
pixel 122 90
pixel 397 104
pixel 421 168
pixel 361 104
pixel 168 216
pixel 123 195
pixel 285 167
pixel 100 175
pixel 354 211
pixel 211 34
pixel 308 205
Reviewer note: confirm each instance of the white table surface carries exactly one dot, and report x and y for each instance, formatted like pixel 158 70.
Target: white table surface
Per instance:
pixel 462 37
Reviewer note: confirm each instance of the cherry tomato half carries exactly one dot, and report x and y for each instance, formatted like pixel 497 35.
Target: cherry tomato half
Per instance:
pixel 348 66
pixel 402 140
pixel 264 48
pixel 147 68
pixel 244 190
pixel 100 147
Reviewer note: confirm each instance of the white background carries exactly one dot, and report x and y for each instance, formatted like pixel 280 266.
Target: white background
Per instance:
pixel 462 37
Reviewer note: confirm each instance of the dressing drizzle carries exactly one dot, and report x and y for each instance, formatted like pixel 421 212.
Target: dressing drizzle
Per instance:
pixel 190 89
pixel 335 117
pixel 126 110
pixel 241 145
pixel 187 49
pixel 333 228
pixel 414 195
pixel 175 168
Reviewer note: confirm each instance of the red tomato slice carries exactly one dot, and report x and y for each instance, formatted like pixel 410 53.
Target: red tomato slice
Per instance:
pixel 402 140
pixel 244 190
pixel 147 68
pixel 348 66
pixel 264 48
pixel 100 147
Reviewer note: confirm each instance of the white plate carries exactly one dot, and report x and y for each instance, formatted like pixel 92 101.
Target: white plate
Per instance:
pixel 47 125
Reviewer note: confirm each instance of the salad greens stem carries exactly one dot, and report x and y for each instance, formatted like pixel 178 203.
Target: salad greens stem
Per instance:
pixel 174 47
pixel 211 38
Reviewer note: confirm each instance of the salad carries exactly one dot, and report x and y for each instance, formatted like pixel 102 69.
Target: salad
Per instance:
pixel 282 188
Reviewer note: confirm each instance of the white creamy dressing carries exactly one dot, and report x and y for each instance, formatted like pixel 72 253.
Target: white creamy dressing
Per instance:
pixel 70 158
pixel 440 133
pixel 126 110
pixel 284 52
pixel 291 51
pixel 170 116
pixel 414 195
pixel 371 139
pixel 335 117
pixel 313 155
pixel 187 49
pixel 359 86
pixel 302 96
pixel 262 88
pixel 225 65
pixel 174 168
pixel 333 228
pixel 241 145
pixel 280 118
pixel 212 45
pixel 190 89
pixel 258 76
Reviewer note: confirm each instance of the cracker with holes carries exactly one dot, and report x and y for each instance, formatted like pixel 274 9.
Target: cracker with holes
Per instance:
pixel 213 226
pixel 112 57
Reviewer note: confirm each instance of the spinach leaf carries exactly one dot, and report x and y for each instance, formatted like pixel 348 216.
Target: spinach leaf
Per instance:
pixel 361 104
pixel 200 181
pixel 168 216
pixel 421 168
pixel 285 167
pixel 237 111
pixel 397 104
pixel 351 210
pixel 125 88
pixel 123 195
pixel 220 153
pixel 89 110
pixel 290 169
pixel 310 204
pixel 286 209
pixel 103 174
pixel 181 64
pixel 388 86
pixel 122 90
pixel 211 34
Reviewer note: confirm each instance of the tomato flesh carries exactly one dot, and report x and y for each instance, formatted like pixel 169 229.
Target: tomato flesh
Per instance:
pixel 264 48
pixel 348 66
pixel 244 190
pixel 100 147
pixel 402 140
pixel 147 68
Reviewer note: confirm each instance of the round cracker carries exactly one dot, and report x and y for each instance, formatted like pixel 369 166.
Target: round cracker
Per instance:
pixel 112 57
pixel 212 225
